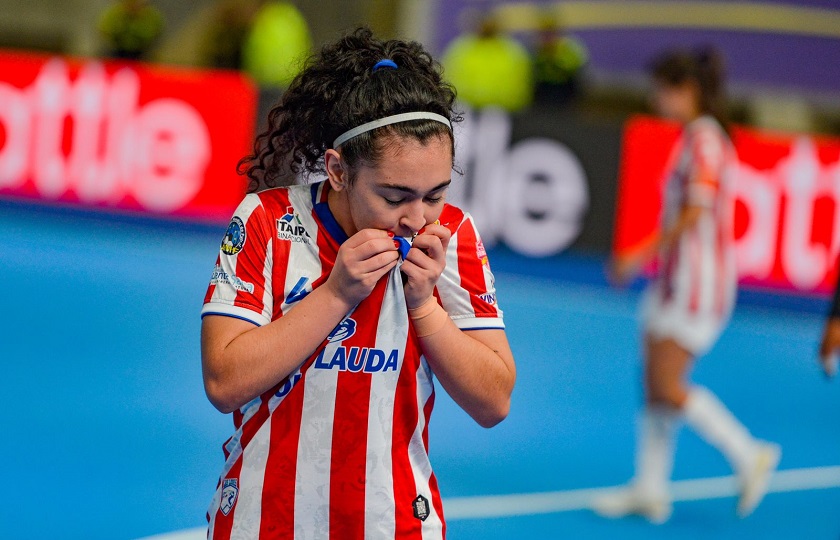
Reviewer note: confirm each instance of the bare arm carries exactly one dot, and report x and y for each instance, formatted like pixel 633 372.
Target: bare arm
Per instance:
pixel 241 361
pixel 476 368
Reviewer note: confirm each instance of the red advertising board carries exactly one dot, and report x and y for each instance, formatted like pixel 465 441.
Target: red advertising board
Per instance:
pixel 129 136
pixel 787 189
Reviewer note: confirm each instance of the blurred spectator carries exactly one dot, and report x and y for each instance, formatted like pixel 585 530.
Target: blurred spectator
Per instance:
pixel 130 28
pixel 830 344
pixel 559 60
pixel 489 68
pixel 221 45
pixel 276 45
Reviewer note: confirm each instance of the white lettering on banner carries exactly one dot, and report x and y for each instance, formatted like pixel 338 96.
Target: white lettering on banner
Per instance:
pixel 802 180
pixel 533 195
pixel 157 153
pixel 756 249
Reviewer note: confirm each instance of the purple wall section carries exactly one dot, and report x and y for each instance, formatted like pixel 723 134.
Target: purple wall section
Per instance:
pixel 753 58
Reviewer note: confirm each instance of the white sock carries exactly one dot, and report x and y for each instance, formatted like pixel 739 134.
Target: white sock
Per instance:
pixel 712 420
pixel 655 450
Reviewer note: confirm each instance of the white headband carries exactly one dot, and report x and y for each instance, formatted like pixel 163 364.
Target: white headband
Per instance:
pixel 404 117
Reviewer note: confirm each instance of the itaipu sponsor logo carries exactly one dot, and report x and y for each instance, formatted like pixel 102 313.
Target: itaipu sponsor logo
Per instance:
pixel 220 276
pixel 290 227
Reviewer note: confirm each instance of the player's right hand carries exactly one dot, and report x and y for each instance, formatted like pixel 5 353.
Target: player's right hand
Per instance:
pixel 361 261
pixel 830 345
pixel 622 270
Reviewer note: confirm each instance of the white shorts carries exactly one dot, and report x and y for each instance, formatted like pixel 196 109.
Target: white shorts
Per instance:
pixel 695 332
pixel 691 302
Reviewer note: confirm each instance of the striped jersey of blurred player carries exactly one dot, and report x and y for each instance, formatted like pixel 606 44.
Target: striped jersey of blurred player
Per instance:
pixel 690 300
pixel 320 337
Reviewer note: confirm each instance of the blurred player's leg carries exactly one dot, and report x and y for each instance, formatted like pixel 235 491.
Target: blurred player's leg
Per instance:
pixel 647 495
pixel 655 453
pixel 753 461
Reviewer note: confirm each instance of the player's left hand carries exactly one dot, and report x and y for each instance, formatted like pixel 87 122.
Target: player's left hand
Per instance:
pixel 424 264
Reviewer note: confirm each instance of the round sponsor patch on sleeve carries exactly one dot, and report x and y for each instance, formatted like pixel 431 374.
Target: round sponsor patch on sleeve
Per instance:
pixel 234 238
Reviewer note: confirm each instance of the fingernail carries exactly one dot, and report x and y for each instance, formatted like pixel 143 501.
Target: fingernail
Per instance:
pixel 397 244
pixel 390 234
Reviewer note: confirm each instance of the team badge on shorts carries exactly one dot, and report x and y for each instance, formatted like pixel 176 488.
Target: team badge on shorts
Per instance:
pixel 234 237
pixel 230 491
pixel 421 507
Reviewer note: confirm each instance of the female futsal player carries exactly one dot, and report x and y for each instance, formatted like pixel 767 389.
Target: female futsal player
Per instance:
pixel 333 304
pixel 688 303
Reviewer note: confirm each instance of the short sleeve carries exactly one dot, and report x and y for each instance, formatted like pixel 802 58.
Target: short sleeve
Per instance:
pixel 240 285
pixel 708 152
pixel 467 287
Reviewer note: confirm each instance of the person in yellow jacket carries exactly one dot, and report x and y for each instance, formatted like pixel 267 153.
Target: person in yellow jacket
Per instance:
pixel 277 44
pixel 489 68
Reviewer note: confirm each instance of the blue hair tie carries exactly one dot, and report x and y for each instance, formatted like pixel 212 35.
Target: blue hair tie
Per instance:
pixel 384 63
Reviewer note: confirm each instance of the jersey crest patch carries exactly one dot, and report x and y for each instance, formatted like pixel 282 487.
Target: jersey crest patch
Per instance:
pixel 230 492
pixel 421 507
pixel 234 238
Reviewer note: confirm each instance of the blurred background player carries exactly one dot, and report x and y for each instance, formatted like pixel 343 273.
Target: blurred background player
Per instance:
pixel 319 337
pixel 830 344
pixel 269 40
pixel 130 28
pixel 690 300
pixel 559 62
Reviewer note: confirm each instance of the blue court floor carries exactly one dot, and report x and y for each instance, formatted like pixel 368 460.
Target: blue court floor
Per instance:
pixel 108 434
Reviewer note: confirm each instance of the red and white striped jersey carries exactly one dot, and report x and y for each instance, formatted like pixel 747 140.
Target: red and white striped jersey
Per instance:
pixel 699 270
pixel 339 448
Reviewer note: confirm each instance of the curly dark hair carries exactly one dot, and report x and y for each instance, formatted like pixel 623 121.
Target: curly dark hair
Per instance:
pixel 337 91
pixel 703 66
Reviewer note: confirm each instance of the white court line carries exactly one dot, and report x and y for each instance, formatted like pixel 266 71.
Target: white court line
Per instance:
pixel 199 533
pixel 581 499
pixel 522 504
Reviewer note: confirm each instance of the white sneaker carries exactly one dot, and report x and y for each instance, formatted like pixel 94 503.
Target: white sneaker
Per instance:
pixel 630 501
pixel 754 481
